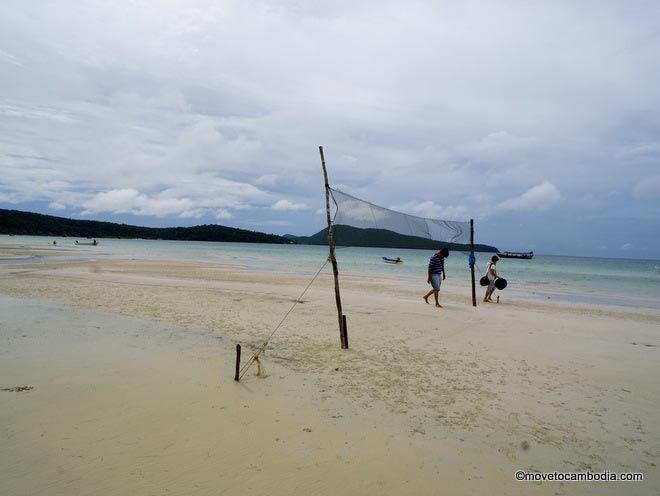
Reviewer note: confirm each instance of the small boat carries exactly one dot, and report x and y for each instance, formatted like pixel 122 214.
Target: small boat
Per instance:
pixel 392 260
pixel 516 254
pixel 91 243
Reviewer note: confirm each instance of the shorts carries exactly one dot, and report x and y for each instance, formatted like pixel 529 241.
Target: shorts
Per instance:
pixel 491 286
pixel 436 280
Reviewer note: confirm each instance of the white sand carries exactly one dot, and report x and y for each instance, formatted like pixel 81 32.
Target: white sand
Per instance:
pixel 132 367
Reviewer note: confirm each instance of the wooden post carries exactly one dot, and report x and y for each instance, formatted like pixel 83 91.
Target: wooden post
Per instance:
pixel 345 329
pixel 331 256
pixel 472 261
pixel 238 361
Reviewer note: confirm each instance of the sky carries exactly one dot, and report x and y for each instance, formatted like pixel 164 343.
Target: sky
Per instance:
pixel 539 120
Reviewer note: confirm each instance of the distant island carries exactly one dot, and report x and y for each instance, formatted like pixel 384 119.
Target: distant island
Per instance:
pixel 33 224
pixel 381 238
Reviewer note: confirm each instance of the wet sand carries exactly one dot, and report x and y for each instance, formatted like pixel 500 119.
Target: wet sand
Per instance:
pixel 132 362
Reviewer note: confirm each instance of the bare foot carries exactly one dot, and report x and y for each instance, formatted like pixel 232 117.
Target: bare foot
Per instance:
pixel 438 305
pixel 426 299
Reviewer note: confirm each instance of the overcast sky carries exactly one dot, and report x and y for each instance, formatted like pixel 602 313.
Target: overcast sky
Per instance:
pixel 540 120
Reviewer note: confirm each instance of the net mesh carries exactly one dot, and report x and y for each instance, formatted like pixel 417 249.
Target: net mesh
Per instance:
pixel 362 214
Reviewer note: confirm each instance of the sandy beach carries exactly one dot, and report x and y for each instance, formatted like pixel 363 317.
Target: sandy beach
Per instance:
pixel 131 365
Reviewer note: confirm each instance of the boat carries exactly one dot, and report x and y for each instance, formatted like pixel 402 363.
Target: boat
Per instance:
pixel 516 254
pixel 91 243
pixel 396 260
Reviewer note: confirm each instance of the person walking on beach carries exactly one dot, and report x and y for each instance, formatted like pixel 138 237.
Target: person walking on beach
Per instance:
pixel 491 273
pixel 436 270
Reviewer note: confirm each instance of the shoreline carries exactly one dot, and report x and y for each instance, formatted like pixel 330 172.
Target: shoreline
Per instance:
pixel 18 255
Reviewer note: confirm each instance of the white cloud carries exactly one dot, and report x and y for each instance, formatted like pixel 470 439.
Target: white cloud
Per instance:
pixel 195 213
pixel 214 199
pixel 10 59
pixel 286 205
pixel 498 145
pixel 431 210
pixel 267 180
pixel 132 201
pixel 223 214
pixel 168 119
pixel 56 206
pixel 540 197
pixel 647 188
pixel 11 198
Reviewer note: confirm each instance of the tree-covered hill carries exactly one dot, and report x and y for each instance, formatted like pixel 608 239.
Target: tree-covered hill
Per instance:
pixel 28 223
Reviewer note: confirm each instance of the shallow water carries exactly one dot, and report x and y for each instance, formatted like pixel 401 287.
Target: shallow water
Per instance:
pixel 623 282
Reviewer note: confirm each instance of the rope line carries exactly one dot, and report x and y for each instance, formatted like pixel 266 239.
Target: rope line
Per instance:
pixel 255 356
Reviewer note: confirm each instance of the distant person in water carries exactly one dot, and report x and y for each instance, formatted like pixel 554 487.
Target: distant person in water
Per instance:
pixel 436 275
pixel 491 273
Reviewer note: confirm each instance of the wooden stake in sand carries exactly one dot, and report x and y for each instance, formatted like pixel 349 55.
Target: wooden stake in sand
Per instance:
pixel 343 338
pixel 238 361
pixel 474 291
pixel 345 331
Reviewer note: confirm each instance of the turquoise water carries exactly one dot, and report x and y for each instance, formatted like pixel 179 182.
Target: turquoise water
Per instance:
pixel 631 283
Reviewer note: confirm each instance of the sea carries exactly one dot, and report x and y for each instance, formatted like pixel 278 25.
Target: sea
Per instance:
pixel 565 279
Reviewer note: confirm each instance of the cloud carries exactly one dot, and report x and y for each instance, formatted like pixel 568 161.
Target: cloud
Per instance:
pixel 431 210
pixel 11 198
pixel 286 205
pixel 166 119
pixel 498 146
pixel 267 180
pixel 223 214
pixel 215 198
pixel 648 187
pixel 195 213
pixel 122 201
pixel 540 197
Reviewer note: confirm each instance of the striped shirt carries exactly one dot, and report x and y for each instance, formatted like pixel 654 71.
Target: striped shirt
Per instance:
pixel 436 264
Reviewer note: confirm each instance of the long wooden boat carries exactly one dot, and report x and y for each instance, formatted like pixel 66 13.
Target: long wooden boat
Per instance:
pixel 516 254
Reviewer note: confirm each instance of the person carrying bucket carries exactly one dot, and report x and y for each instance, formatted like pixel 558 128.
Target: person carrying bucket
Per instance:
pixel 491 273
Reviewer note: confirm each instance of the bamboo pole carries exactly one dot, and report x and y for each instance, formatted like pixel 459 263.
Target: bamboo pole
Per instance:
pixel 472 261
pixel 343 339
pixel 345 329
pixel 238 362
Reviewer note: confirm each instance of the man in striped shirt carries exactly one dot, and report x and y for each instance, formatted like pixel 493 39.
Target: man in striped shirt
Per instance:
pixel 436 271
